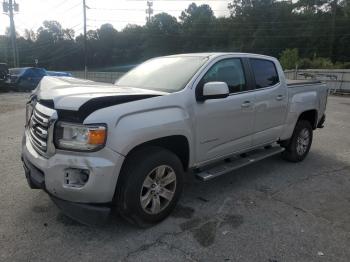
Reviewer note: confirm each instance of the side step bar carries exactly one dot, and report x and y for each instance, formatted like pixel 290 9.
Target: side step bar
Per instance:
pixel 238 162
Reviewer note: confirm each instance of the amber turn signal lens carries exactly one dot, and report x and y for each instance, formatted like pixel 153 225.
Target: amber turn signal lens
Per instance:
pixel 97 137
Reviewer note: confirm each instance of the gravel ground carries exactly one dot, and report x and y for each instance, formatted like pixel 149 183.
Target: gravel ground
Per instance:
pixel 270 211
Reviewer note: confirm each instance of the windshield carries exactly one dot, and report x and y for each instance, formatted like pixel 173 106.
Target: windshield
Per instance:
pixel 167 74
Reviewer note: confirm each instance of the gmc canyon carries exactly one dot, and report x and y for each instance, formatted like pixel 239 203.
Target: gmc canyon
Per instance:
pixel 96 147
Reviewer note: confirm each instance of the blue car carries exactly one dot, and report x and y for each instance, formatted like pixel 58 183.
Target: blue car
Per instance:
pixel 26 78
pixel 56 73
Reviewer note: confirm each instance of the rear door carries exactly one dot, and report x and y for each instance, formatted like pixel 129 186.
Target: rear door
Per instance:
pixel 270 101
pixel 224 126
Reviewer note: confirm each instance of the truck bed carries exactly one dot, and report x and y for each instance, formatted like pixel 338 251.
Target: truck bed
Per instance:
pixel 294 83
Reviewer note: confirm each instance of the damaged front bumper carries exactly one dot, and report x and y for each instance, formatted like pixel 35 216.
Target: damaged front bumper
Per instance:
pixel 89 202
pixel 85 213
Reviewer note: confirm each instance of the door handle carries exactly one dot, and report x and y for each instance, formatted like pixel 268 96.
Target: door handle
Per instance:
pixel 246 104
pixel 279 97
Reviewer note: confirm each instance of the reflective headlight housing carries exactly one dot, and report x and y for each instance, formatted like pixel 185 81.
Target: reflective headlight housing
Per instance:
pixel 78 137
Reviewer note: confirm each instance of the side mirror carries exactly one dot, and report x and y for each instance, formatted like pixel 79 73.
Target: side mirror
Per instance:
pixel 215 90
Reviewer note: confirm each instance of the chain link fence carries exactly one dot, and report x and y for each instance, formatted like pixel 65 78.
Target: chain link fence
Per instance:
pixel 337 80
pixel 106 77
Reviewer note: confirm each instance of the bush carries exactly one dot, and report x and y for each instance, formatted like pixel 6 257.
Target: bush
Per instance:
pixel 289 58
pixel 316 63
pixel 345 65
pixel 322 63
pixel 305 63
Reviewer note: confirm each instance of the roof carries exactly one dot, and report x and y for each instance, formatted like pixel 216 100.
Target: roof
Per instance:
pixel 28 67
pixel 216 54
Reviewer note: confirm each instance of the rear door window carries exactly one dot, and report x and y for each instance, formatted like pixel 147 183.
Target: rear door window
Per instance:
pixel 265 73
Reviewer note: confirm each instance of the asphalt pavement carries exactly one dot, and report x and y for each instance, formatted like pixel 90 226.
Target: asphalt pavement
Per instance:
pixel 269 211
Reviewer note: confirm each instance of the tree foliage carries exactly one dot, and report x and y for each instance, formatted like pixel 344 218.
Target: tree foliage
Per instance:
pixel 302 31
pixel 289 58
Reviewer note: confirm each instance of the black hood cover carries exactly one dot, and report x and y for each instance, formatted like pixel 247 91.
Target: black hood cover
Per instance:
pixel 97 103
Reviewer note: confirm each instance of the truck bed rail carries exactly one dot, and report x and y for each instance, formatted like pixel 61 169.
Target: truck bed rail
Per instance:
pixel 293 83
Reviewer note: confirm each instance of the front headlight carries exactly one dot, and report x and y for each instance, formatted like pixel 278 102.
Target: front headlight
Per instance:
pixel 80 137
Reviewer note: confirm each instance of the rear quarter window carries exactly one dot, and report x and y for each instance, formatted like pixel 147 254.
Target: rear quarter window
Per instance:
pixel 265 73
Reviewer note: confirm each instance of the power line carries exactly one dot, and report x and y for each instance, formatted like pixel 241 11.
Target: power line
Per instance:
pixel 71 12
pixel 74 26
pixel 72 7
pixel 114 20
pixel 59 4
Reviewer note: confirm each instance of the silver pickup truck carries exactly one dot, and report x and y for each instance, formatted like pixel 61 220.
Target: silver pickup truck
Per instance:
pixel 96 147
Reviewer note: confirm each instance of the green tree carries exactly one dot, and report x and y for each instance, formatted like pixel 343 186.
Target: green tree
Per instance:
pixel 318 29
pixel 197 24
pixel 289 58
pixel 162 35
pixel 130 45
pixel 52 29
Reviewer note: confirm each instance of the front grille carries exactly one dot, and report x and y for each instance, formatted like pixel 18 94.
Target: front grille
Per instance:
pixel 40 129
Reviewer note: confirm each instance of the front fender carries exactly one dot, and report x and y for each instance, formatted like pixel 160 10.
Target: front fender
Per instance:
pixel 132 124
pixel 137 128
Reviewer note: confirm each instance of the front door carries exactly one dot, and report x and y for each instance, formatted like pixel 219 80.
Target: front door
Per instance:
pixel 270 102
pixel 224 126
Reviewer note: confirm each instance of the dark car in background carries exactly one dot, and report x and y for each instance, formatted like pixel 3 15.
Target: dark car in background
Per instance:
pixel 26 78
pixel 4 76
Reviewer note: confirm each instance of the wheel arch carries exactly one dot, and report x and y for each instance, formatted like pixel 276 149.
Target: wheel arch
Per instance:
pixel 178 144
pixel 311 116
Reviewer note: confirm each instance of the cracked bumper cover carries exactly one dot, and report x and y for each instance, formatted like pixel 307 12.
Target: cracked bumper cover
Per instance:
pixel 86 204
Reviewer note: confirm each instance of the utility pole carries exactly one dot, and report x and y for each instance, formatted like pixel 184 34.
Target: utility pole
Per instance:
pixel 334 6
pixel 85 41
pixel 149 11
pixel 8 8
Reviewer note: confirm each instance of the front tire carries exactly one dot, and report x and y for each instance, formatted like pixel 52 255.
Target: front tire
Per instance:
pixel 299 145
pixel 151 184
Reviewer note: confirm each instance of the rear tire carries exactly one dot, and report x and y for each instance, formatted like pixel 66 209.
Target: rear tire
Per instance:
pixel 151 184
pixel 299 145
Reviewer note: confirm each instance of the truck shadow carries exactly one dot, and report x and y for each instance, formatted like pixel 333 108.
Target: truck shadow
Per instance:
pixel 205 211
pixel 265 178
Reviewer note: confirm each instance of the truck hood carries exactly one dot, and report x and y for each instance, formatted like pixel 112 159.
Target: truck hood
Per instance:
pixel 68 93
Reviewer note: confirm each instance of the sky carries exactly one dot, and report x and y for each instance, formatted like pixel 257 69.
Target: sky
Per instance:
pixel 119 13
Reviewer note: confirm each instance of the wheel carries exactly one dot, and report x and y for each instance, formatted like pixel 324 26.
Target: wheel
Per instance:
pixel 299 145
pixel 151 184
